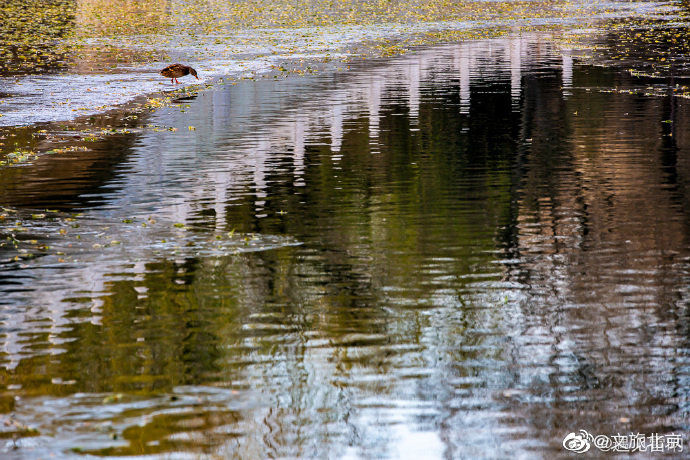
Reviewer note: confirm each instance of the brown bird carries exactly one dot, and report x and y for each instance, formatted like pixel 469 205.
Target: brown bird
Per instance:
pixel 175 71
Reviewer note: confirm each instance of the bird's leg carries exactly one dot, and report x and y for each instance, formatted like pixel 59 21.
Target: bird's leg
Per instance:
pixel 171 81
pixel 177 81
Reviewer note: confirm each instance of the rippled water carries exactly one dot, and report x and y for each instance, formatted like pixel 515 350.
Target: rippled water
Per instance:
pixel 466 252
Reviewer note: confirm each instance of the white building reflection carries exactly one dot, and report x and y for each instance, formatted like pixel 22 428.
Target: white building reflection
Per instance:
pixel 567 73
pixel 374 94
pixel 461 64
pixel 515 69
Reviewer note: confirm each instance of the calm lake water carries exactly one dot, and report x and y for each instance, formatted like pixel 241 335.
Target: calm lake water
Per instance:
pixel 466 252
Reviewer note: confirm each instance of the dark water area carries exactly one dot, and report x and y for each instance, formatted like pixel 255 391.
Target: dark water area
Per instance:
pixel 466 252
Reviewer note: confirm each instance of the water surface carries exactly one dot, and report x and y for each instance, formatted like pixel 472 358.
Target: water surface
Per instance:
pixel 465 252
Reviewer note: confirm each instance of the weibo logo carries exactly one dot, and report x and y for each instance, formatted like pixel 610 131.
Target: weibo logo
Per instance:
pixel 576 443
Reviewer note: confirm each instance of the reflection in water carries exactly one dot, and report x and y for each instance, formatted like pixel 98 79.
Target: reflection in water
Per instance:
pixel 492 253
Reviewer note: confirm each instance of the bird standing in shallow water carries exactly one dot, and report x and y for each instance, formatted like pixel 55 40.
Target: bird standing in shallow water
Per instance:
pixel 175 71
